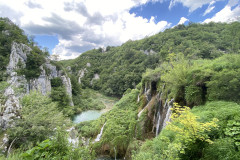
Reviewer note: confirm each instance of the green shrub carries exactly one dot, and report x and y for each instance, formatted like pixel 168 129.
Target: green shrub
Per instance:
pixel 39 117
pixel 222 149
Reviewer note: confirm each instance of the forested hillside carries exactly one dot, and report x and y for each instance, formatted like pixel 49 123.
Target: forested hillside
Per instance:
pixel 179 90
pixel 120 68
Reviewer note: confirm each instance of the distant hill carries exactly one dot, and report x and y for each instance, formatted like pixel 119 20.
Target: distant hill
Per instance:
pixel 115 69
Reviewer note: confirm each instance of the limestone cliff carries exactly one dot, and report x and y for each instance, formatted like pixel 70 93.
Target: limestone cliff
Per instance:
pixel 19 85
pixel 67 83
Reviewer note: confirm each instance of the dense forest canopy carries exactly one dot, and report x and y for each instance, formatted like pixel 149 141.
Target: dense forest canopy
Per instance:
pixel 121 67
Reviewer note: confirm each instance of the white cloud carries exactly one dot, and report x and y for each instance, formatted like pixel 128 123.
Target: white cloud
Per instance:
pixel 81 24
pixel 191 4
pixel 227 14
pixel 183 20
pixel 209 9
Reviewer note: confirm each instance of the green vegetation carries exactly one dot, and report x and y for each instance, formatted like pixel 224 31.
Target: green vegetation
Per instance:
pixel 121 67
pixel 9 32
pixel 192 135
pixel 59 95
pixel 197 65
pixel 57 148
pixel 39 117
pixel 195 82
pixel 34 61
pixel 91 99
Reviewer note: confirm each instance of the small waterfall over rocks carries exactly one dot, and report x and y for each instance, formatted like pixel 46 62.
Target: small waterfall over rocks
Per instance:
pixel 100 134
pixel 163 115
pixel 139 114
pixel 169 112
pixel 147 93
pixel 73 138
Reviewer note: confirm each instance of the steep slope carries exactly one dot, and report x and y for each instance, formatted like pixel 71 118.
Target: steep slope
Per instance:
pixel 24 67
pixel 115 69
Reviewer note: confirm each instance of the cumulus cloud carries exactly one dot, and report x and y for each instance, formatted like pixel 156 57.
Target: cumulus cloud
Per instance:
pixel 182 20
pixel 82 24
pixel 230 13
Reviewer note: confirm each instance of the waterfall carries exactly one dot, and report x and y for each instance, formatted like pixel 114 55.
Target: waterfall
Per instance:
pixel 73 138
pixel 138 98
pixel 159 118
pixel 100 134
pixel 158 122
pixel 148 95
pixel 167 118
pixel 115 153
pixel 139 114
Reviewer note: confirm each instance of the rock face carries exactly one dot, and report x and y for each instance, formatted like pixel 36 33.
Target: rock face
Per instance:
pixel 67 83
pixel 81 74
pixel 158 110
pixel 18 55
pixel 19 86
pixel 95 77
pixel 73 137
pixel 4 144
pixel 43 82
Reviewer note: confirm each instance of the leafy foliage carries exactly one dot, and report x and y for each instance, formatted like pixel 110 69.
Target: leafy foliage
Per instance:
pixel 57 148
pixel 39 117
pixel 189 134
pixel 121 67
pixel 233 131
pixel 9 32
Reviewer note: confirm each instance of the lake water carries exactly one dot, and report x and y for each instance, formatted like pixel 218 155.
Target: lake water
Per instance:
pixel 87 116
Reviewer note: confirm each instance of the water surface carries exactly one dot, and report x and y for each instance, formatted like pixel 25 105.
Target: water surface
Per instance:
pixel 87 116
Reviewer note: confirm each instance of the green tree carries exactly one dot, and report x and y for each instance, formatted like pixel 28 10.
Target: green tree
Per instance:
pixel 39 118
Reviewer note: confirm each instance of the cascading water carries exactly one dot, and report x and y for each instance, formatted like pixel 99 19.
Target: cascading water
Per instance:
pixel 164 115
pixel 115 153
pixel 169 112
pixel 139 114
pixel 100 134
pixel 138 98
pixel 158 122
pixel 148 100
pixel 158 127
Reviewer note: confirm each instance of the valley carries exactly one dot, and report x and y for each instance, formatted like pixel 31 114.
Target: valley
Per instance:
pixel 173 95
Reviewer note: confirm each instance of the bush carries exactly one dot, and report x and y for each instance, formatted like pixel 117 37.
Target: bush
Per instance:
pixel 39 117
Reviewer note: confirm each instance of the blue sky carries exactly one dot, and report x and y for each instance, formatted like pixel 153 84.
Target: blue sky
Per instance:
pixel 161 11
pixel 49 41
pixel 71 27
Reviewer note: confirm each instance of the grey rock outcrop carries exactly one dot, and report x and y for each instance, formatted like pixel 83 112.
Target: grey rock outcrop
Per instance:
pixel 18 55
pixel 17 85
pixel 73 137
pixel 81 74
pixel 41 84
pixel 53 69
pixel 95 77
pixel 4 144
pixel 67 83
pixel 88 64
